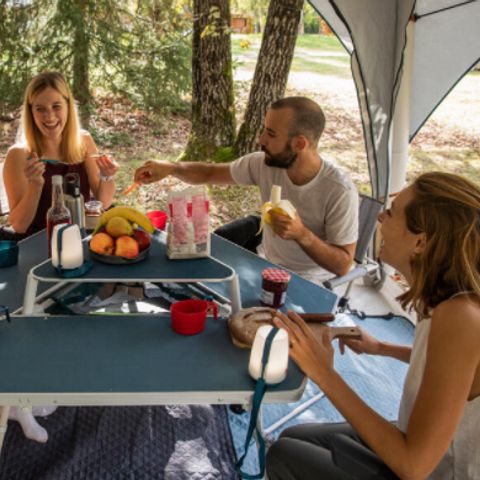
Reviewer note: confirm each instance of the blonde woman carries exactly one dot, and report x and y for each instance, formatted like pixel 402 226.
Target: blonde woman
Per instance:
pixel 50 130
pixel 431 234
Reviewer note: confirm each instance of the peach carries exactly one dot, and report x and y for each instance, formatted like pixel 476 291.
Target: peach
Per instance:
pixel 127 247
pixel 102 243
pixel 118 226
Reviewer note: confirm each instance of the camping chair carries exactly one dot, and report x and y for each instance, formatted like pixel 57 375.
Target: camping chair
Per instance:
pixel 364 266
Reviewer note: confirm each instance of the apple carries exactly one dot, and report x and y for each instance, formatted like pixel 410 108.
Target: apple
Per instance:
pixel 118 226
pixel 102 243
pixel 127 247
pixel 142 238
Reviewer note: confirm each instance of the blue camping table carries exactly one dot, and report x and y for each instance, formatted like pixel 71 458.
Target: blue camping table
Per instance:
pixel 136 359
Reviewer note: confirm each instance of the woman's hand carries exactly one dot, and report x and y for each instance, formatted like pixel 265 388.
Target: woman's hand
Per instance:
pixel 314 358
pixel 365 344
pixel 107 165
pixel 34 170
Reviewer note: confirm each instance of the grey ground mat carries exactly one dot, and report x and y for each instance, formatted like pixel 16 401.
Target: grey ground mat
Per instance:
pixel 178 442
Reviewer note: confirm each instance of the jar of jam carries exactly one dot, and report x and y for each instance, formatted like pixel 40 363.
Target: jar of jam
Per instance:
pixel 274 287
pixel 93 212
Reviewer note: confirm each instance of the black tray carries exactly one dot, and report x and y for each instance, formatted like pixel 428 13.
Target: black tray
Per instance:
pixel 116 260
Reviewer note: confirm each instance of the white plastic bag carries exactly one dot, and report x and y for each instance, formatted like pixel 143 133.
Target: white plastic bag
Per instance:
pixel 188 234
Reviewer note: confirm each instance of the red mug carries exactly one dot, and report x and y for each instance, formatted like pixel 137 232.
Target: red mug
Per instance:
pixel 158 218
pixel 189 316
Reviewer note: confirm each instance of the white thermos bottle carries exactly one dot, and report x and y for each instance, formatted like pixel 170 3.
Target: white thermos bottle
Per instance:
pixel 74 199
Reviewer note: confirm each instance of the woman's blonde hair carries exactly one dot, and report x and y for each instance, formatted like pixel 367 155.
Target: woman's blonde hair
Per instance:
pixel 446 207
pixel 71 146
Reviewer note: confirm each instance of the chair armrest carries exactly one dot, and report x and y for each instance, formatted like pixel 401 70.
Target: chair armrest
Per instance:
pixel 357 272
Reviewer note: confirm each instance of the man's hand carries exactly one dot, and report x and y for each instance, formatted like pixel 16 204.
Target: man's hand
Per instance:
pixel 153 171
pixel 286 227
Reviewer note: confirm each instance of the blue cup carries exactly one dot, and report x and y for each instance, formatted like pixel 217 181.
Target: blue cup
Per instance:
pixel 8 253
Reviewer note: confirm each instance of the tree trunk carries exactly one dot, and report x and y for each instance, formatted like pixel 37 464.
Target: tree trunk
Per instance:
pixel 213 114
pixel 81 77
pixel 301 24
pixel 271 72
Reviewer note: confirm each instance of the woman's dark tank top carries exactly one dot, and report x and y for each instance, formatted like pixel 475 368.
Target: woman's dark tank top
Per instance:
pixel 40 220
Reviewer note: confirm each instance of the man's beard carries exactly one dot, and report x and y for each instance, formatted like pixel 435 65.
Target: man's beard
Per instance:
pixel 283 159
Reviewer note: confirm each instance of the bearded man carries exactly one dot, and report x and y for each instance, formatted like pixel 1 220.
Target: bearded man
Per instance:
pixel 321 239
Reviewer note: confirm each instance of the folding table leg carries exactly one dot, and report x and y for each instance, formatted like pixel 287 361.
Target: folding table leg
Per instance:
pixel 235 294
pixel 297 411
pixel 3 423
pixel 30 294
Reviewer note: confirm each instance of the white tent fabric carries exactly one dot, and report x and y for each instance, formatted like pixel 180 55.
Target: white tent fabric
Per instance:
pixel 446 46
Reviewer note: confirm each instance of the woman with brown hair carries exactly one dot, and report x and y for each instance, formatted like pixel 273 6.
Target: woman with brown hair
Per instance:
pixel 431 235
pixel 50 130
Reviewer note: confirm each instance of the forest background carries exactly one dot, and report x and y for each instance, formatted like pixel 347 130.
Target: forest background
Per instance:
pixel 171 80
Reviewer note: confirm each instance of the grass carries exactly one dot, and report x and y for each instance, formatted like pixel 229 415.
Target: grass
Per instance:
pixel 324 43
pixel 461 161
pixel 313 54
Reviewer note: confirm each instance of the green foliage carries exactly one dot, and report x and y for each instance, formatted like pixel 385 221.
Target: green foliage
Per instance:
pixel 140 49
pixel 311 19
pixel 224 154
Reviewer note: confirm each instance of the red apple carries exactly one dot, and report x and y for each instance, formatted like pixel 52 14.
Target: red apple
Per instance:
pixel 127 247
pixel 102 243
pixel 142 238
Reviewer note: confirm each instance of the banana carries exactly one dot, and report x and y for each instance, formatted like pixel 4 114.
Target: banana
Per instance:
pixel 276 205
pixel 131 214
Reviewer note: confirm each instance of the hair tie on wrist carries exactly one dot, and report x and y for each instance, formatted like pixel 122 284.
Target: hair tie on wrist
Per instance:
pixel 106 178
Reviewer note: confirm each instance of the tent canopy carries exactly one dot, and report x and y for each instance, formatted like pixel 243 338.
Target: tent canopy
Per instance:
pixel 443 45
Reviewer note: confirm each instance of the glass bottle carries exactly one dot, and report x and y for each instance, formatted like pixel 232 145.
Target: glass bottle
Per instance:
pixel 58 212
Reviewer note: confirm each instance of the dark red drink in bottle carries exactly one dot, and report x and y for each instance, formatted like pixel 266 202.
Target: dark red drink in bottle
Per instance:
pixel 58 212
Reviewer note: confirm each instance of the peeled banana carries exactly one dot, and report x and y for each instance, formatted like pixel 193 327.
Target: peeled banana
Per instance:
pixel 131 214
pixel 276 205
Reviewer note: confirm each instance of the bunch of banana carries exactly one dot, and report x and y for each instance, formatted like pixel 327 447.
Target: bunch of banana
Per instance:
pixel 283 207
pixel 129 213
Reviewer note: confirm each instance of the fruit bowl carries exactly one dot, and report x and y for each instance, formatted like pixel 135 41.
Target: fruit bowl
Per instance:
pixel 122 237
pixel 116 260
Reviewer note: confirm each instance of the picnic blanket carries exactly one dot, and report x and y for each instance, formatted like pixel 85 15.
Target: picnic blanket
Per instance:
pixel 179 442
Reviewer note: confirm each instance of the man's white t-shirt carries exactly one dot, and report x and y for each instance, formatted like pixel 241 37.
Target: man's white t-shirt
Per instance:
pixel 327 205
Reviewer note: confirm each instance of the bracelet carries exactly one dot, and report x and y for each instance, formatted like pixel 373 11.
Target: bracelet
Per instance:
pixel 106 178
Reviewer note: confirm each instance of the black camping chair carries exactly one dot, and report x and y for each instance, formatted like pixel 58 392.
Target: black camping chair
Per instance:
pixel 364 267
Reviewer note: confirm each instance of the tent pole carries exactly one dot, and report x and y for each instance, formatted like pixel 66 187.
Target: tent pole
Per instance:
pixel 401 118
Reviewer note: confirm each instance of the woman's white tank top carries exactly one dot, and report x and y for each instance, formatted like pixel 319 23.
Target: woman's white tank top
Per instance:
pixel 462 460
